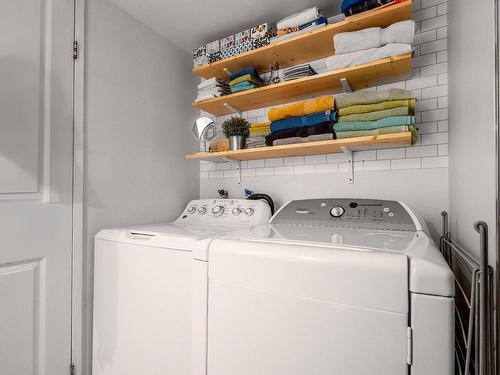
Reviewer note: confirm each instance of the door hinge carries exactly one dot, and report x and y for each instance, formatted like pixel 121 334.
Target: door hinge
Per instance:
pixel 72 369
pixel 75 49
pixel 409 346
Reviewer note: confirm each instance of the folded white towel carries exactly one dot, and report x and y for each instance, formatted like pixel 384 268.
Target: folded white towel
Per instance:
pixel 373 37
pixel 211 82
pixel 363 57
pixel 299 19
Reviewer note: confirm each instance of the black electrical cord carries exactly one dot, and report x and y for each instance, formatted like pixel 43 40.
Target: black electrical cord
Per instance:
pixel 265 197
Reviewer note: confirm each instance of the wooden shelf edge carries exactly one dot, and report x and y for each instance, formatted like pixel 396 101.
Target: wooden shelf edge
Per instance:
pixel 310 148
pixel 291 85
pixel 206 71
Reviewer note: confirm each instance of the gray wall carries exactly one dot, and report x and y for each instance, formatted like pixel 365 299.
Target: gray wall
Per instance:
pixel 472 122
pixel 139 89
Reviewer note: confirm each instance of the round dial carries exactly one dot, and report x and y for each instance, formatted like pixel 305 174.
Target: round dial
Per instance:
pixel 337 211
pixel 236 211
pixel 218 210
pixel 202 210
pixel 249 211
pixel 192 210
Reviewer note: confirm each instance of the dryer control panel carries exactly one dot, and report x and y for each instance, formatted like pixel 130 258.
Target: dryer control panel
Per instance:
pixel 348 213
pixel 225 212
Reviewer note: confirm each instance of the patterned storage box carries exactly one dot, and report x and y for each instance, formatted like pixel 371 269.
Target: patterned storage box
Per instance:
pixel 227 42
pixel 261 31
pixel 200 56
pixel 244 47
pixel 242 37
pixel 213 47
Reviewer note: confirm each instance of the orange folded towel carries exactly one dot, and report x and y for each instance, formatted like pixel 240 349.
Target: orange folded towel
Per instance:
pixel 304 108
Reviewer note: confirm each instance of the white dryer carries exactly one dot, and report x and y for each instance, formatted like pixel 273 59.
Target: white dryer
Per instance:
pixel 142 287
pixel 331 286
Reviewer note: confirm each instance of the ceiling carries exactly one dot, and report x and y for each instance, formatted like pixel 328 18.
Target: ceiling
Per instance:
pixel 193 23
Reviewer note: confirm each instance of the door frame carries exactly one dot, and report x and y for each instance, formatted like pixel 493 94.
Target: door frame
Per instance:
pixel 79 335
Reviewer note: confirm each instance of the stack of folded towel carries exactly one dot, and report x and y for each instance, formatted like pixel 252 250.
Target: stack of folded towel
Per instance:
pixel 299 23
pixel 375 112
pixel 258 133
pixel 372 44
pixel 351 7
pixel 246 79
pixel 306 121
pixel 299 71
pixel 212 88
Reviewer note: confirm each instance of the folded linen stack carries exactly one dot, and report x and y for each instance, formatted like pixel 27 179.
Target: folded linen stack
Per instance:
pixel 371 44
pixel 299 23
pixel 246 79
pixel 373 113
pixel 212 88
pixel 306 121
pixel 299 71
pixel 352 7
pixel 258 133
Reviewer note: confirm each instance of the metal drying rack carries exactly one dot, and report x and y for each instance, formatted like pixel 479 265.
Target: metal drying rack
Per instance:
pixel 474 327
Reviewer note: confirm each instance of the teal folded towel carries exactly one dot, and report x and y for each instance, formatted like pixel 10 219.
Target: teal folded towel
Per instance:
pixel 370 125
pixel 243 86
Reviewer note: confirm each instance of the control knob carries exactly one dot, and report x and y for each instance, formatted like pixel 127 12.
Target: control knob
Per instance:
pixel 337 211
pixel 218 210
pixel 236 211
pixel 249 211
pixel 202 210
pixel 192 210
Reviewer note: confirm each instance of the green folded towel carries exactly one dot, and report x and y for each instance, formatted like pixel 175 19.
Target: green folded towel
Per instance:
pixel 370 97
pixel 377 115
pixel 243 86
pixel 246 78
pixel 364 108
pixel 370 125
pixel 380 131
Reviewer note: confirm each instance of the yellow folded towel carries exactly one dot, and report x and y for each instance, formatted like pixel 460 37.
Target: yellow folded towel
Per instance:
pixel 365 108
pixel 306 107
pixel 258 128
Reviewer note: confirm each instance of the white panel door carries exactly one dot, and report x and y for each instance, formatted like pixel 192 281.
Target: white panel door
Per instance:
pixel 36 161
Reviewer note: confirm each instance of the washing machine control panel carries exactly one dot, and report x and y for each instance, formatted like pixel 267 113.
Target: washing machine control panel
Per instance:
pixel 226 212
pixel 348 213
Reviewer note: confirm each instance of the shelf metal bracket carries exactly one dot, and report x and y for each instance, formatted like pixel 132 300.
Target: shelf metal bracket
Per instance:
pixel 345 85
pixel 350 160
pixel 237 165
pixel 232 109
pixel 227 71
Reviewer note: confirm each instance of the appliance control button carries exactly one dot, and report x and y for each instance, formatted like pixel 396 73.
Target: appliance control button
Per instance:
pixel 249 211
pixel 236 211
pixel 390 214
pixel 337 211
pixel 202 210
pixel 386 209
pixel 323 204
pixel 353 205
pixel 192 209
pixel 218 210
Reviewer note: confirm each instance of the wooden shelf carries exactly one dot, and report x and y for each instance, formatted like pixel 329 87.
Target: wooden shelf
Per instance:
pixel 310 148
pixel 310 46
pixel 360 76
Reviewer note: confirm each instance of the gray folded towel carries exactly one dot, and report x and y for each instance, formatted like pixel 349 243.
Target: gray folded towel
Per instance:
pixel 373 37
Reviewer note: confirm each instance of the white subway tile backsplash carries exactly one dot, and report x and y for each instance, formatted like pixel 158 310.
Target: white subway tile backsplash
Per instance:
pixel 391 153
pixel 264 171
pixel 277 162
pixel 421 151
pixel 304 169
pixel 405 163
pixel 294 160
pixel 428 82
pixel 434 138
pixel 437 162
pixel 256 163
pixel 436 115
pixel 376 165
pixel 434 92
pixel 438 45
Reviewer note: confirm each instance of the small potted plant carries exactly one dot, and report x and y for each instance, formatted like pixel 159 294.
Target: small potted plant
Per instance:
pixel 236 129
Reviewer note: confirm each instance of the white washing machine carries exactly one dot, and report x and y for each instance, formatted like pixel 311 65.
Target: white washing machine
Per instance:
pixel 332 286
pixel 142 287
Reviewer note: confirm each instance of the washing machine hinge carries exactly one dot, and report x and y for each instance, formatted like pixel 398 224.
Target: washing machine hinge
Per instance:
pixel 409 346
